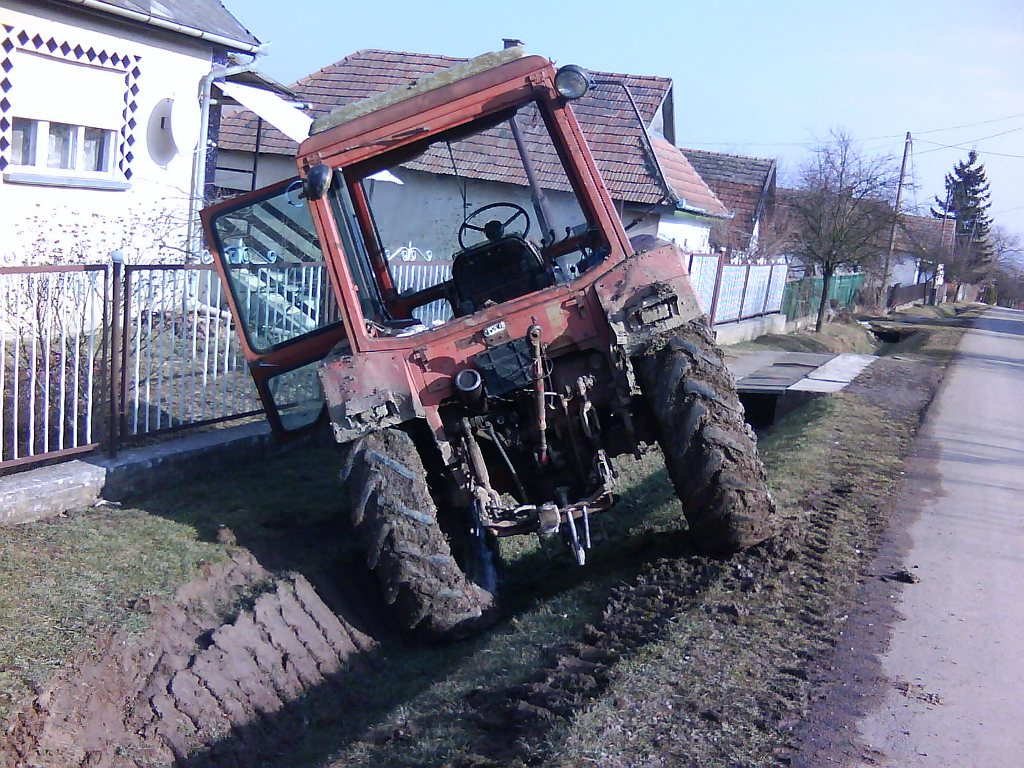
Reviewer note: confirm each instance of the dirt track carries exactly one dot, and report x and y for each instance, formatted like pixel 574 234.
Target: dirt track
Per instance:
pixel 194 678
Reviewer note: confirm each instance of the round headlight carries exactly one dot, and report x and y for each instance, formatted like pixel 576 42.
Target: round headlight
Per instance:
pixel 572 81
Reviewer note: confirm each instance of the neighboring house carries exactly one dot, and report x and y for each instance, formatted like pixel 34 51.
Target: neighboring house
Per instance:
pixel 746 187
pixel 627 120
pixel 99 118
pixel 921 246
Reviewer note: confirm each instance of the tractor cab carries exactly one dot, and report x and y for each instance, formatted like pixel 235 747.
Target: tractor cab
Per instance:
pixel 419 207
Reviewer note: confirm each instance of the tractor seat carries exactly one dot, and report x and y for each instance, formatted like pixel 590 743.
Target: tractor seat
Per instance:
pixel 497 271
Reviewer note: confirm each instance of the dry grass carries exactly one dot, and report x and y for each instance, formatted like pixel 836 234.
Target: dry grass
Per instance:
pixel 834 337
pixel 716 678
pixel 64 582
pixel 951 309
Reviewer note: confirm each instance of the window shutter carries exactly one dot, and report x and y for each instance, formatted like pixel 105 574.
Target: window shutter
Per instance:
pixel 45 88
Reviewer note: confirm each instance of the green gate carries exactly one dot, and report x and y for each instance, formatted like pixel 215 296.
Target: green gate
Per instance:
pixel 802 297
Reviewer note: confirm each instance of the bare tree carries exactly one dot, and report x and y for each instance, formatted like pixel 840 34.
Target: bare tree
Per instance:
pixel 839 212
pixel 1003 274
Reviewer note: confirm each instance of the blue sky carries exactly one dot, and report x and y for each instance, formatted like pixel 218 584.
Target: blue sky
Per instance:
pixel 766 79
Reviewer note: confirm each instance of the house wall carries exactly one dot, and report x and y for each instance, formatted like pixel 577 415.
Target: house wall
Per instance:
pixel 406 222
pixel 80 68
pixel 271 168
pixel 904 270
pixel 691 233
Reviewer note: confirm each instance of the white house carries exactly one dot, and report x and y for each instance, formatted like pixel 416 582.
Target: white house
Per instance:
pixel 99 119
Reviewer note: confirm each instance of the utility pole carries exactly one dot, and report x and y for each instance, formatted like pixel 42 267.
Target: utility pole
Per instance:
pixel 942 240
pixel 895 218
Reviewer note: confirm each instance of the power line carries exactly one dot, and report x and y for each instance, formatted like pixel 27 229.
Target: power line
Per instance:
pixel 950 128
pixel 878 138
pixel 965 145
pixel 970 125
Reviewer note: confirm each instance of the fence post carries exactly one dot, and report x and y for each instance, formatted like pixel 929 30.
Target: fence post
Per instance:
pixel 743 293
pixel 126 300
pixel 768 289
pixel 114 365
pixel 718 288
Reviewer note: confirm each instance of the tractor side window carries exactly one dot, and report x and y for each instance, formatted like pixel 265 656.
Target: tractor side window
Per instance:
pixel 297 395
pixel 276 267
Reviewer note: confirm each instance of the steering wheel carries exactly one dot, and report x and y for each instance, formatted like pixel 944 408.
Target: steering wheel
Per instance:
pixel 495 228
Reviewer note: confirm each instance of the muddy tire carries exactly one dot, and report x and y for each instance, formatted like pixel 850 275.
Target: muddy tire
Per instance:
pixel 710 451
pixel 395 522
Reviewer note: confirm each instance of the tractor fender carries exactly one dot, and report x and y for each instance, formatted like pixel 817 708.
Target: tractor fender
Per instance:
pixel 647 295
pixel 367 392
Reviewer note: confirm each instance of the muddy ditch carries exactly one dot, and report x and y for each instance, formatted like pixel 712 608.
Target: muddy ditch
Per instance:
pixel 233 647
pixel 650 655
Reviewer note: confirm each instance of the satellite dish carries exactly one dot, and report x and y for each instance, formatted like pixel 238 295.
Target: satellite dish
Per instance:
pixel 158 134
pixel 184 123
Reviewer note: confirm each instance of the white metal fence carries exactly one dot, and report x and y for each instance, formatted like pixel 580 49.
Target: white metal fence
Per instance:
pixel 413 270
pixel 732 291
pixel 53 362
pixel 179 361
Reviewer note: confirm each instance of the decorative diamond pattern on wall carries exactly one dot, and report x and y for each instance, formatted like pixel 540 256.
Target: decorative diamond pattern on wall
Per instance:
pixel 13 38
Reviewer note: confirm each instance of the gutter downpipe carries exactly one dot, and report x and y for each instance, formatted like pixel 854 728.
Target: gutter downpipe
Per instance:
pixel 196 196
pixel 172 26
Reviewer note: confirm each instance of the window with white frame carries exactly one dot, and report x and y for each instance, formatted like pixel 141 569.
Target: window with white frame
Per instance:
pixel 56 146
pixel 65 121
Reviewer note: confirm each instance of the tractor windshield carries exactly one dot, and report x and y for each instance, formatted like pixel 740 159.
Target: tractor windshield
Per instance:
pixel 467 220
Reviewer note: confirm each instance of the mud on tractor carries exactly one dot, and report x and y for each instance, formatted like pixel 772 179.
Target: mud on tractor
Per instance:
pixel 498 389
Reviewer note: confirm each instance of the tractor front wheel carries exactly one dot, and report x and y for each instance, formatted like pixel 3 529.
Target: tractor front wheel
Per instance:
pixel 710 451
pixel 395 522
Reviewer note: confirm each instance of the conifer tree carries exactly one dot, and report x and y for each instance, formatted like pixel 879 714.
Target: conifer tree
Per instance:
pixel 967 203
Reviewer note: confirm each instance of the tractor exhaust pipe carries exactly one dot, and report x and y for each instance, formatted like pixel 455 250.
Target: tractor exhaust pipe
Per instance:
pixel 470 387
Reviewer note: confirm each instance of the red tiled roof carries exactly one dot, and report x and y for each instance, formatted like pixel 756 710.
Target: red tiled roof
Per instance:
pixel 693 193
pixel 918 234
pixel 740 183
pixel 605 114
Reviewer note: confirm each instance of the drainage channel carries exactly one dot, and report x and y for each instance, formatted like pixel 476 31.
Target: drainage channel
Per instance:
pixel 772 383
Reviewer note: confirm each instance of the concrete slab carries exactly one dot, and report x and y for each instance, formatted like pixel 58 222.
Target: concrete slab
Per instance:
pixel 797 371
pixel 744 364
pixel 844 368
pixel 52 490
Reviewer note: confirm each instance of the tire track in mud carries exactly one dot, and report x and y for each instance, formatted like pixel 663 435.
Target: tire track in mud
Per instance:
pixel 794 577
pixel 636 615
pixel 234 649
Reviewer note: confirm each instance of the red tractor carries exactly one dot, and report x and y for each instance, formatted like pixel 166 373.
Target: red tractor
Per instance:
pixel 489 396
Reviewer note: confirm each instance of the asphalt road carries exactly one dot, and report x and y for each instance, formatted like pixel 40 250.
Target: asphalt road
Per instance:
pixel 954 688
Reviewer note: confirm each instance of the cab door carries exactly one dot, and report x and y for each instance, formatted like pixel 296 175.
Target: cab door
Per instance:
pixel 266 249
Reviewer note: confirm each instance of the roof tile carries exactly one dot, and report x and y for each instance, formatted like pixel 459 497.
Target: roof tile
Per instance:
pixel 694 194
pixel 740 182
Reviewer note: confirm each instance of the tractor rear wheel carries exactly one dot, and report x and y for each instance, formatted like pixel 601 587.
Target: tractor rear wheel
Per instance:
pixel 396 525
pixel 710 451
